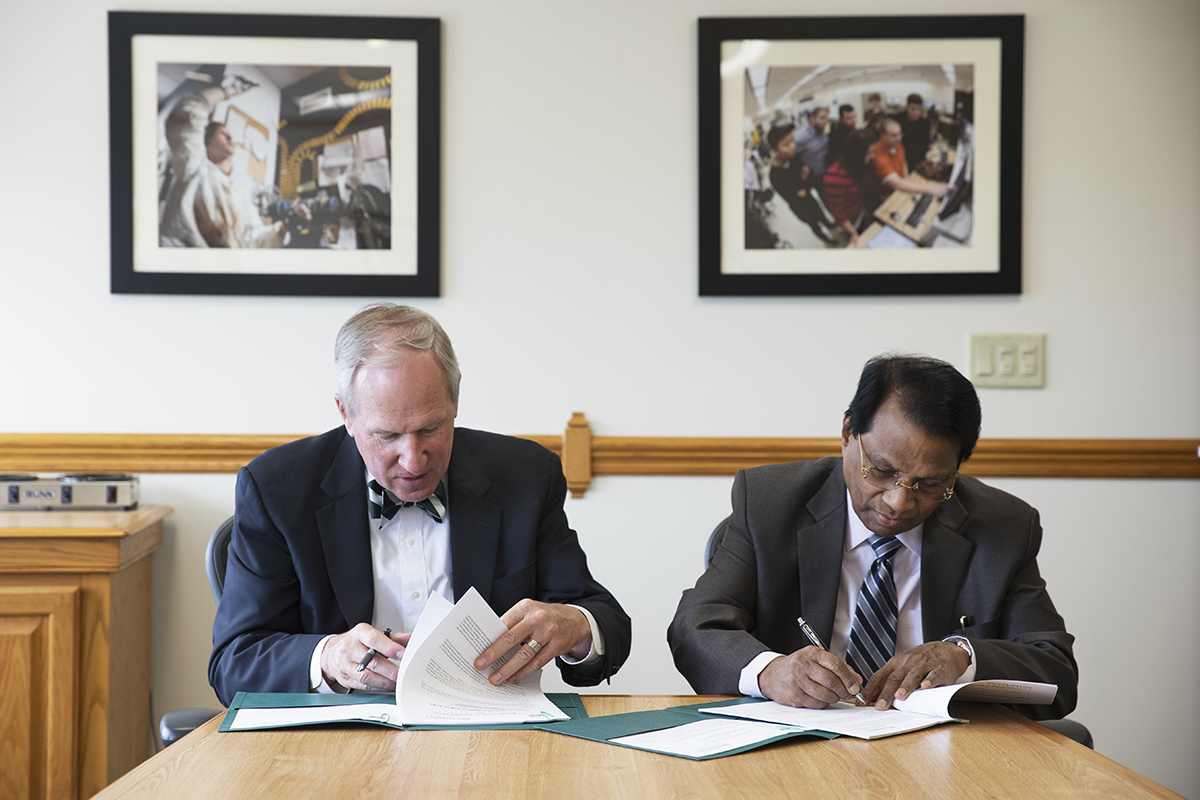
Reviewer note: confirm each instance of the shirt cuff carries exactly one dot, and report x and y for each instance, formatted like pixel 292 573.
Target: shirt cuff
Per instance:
pixel 969 673
pixel 316 678
pixel 597 649
pixel 748 682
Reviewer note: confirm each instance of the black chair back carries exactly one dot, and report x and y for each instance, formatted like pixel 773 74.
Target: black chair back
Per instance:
pixel 714 539
pixel 179 721
pixel 216 556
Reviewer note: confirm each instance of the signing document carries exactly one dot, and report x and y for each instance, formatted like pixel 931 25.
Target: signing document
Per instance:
pixel 438 683
pixel 923 708
pixel 713 730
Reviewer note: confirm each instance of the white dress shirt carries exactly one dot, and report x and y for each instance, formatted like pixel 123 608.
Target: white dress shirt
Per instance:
pixel 857 557
pixel 410 560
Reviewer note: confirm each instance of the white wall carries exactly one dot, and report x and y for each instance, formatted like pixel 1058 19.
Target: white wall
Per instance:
pixel 569 274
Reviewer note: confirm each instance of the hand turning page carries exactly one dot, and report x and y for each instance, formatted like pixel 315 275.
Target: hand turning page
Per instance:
pixel 437 684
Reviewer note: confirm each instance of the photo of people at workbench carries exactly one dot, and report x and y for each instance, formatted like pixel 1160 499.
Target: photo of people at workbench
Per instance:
pixel 258 156
pixel 854 156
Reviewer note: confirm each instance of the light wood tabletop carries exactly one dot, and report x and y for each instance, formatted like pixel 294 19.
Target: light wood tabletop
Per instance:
pixel 997 754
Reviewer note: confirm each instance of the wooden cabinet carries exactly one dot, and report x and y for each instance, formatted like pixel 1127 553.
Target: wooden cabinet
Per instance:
pixel 74 648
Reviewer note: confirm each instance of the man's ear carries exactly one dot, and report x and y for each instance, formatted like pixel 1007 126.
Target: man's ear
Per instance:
pixel 847 435
pixel 342 410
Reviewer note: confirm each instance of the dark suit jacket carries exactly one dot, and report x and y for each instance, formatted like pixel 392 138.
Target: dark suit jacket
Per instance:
pixel 300 562
pixel 781 557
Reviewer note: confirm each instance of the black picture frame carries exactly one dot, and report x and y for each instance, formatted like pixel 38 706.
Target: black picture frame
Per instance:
pixel 728 267
pixel 408 267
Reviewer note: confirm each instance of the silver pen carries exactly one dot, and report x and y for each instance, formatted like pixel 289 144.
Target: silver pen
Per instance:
pixel 807 630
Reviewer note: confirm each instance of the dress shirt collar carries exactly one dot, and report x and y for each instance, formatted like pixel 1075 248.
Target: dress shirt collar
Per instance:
pixel 443 499
pixel 857 533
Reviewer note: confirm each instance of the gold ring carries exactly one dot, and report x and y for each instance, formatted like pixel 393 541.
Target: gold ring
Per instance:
pixel 534 646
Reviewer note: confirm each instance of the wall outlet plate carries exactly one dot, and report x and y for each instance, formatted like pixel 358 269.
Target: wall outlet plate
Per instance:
pixel 1015 360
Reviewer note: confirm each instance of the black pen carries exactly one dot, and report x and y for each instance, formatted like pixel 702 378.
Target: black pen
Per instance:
pixel 807 630
pixel 371 653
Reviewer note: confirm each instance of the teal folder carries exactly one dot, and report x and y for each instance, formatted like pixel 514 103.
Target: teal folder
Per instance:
pixel 569 702
pixel 616 726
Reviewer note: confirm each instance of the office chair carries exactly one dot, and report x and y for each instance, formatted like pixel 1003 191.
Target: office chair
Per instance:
pixel 176 722
pixel 215 557
pixel 1076 731
pixel 714 539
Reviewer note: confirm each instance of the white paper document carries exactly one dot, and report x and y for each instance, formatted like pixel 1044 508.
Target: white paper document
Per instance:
pixel 706 738
pixel 924 708
pixel 937 701
pixel 840 718
pixel 250 719
pixel 438 683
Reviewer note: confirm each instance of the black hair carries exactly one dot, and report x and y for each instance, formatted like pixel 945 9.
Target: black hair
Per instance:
pixel 915 98
pixel 837 143
pixel 843 108
pixel 935 396
pixel 854 153
pixel 778 132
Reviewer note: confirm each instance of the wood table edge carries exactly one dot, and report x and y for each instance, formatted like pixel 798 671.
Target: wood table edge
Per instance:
pixel 1090 755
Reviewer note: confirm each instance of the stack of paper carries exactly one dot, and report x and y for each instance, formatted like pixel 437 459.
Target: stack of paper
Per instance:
pixel 438 684
pixel 713 730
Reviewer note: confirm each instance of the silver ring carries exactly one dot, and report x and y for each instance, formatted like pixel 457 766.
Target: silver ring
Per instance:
pixel 534 646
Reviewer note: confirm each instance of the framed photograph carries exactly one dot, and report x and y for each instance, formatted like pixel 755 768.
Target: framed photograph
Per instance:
pixel 275 155
pixel 860 155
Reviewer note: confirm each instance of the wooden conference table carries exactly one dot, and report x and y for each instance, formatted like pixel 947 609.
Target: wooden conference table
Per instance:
pixel 998 754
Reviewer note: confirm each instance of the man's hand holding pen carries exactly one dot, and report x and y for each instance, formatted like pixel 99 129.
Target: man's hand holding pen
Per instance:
pixel 813 677
pixel 344 652
pixel 362 658
pixel 809 678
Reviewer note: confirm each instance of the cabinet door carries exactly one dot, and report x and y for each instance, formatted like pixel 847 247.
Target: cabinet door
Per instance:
pixel 38 635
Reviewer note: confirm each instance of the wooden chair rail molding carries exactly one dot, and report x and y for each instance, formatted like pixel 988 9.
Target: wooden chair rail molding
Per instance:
pixel 585 456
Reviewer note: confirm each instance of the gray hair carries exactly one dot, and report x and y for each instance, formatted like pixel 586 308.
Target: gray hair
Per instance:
pixel 378 335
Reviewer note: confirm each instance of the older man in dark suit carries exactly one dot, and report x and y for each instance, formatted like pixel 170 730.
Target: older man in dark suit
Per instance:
pixel 914 575
pixel 340 535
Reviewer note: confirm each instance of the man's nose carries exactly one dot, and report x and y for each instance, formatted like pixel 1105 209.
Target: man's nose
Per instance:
pixel 410 456
pixel 899 498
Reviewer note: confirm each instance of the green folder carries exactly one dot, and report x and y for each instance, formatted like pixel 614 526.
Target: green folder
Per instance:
pixel 569 702
pixel 616 726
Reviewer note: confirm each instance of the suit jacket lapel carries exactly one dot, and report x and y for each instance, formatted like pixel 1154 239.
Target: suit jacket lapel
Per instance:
pixel 474 523
pixel 820 545
pixel 944 558
pixel 345 536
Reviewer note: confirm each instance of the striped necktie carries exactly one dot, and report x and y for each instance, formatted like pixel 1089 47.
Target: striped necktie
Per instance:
pixel 381 504
pixel 873 632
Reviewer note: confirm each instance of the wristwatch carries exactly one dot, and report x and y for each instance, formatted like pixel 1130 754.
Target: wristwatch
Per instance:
pixel 965 644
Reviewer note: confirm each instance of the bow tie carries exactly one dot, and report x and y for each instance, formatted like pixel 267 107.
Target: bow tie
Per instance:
pixel 381 503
